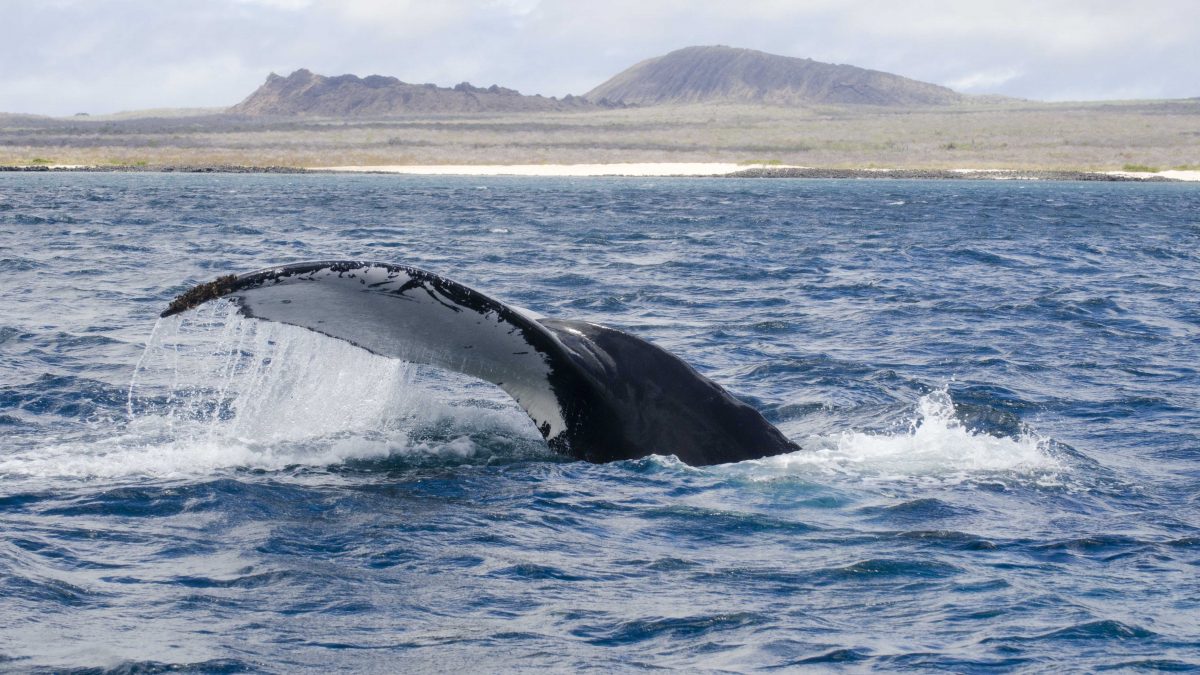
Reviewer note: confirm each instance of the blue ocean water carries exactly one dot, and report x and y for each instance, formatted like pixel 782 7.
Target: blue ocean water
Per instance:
pixel 995 384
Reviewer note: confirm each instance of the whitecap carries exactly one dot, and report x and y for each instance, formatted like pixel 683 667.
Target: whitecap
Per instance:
pixel 934 444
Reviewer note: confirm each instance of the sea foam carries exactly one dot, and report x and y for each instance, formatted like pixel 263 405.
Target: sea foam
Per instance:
pixel 933 443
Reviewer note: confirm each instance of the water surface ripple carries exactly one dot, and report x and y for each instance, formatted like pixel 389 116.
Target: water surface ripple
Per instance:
pixel 995 384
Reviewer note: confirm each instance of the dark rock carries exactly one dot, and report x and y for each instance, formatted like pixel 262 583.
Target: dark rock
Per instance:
pixel 304 93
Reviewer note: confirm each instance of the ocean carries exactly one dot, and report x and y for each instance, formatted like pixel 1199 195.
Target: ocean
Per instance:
pixel 994 385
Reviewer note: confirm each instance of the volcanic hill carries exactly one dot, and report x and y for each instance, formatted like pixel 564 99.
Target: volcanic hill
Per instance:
pixel 730 75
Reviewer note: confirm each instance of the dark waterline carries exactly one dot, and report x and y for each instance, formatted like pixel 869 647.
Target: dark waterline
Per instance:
pixel 995 385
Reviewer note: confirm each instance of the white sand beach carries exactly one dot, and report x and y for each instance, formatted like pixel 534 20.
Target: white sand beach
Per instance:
pixel 561 170
pixel 647 169
pixel 664 169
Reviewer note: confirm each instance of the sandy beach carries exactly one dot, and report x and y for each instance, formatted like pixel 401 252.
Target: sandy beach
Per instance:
pixel 646 169
pixel 556 170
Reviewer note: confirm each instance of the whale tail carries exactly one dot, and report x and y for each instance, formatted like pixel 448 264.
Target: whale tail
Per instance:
pixel 594 393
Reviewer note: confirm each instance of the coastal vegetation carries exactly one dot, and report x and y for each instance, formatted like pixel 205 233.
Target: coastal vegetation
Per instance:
pixel 1008 134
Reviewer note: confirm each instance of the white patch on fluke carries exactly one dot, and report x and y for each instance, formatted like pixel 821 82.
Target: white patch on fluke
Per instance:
pixel 369 306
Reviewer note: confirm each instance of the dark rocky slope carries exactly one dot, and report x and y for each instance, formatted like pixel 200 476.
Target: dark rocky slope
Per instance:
pixel 305 93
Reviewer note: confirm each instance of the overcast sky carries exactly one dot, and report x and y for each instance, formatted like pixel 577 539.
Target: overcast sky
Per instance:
pixel 66 56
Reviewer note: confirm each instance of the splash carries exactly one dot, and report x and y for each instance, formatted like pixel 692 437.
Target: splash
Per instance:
pixel 220 376
pixel 214 391
pixel 935 444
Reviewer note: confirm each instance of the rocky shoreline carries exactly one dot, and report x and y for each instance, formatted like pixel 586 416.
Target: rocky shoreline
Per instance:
pixel 755 172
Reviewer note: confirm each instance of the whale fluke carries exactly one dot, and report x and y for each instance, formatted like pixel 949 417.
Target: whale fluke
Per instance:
pixel 595 393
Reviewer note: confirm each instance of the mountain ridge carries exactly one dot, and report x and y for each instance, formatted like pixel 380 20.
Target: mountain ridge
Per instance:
pixel 304 93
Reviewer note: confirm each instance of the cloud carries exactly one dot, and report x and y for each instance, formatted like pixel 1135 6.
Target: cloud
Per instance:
pixel 984 80
pixel 401 16
pixel 104 55
pixel 289 5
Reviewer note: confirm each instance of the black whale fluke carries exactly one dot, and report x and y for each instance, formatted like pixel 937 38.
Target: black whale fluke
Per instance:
pixel 595 393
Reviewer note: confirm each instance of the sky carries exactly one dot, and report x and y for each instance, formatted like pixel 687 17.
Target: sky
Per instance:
pixel 101 56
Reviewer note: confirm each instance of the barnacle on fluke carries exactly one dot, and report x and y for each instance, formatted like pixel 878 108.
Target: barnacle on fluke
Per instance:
pixel 201 294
